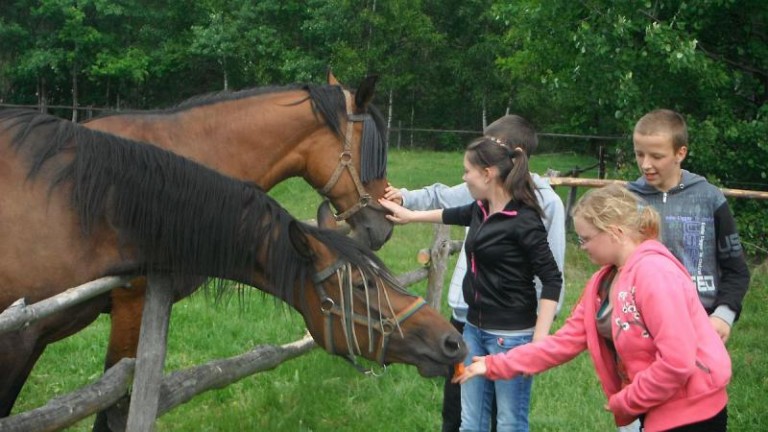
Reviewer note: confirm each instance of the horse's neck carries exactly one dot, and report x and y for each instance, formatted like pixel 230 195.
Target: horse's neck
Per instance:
pixel 237 138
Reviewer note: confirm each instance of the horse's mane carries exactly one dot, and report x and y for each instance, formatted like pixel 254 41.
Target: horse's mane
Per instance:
pixel 327 100
pixel 182 216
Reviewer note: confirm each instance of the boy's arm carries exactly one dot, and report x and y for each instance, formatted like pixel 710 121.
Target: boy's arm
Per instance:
pixel 734 273
pixel 554 222
pixel 436 196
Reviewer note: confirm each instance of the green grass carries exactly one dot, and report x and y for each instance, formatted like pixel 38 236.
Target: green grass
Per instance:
pixel 318 392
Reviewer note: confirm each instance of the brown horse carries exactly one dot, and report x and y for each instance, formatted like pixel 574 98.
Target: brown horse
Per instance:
pixel 79 205
pixel 331 137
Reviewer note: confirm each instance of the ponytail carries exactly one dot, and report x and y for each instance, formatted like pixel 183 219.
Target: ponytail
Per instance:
pixel 512 165
pixel 519 183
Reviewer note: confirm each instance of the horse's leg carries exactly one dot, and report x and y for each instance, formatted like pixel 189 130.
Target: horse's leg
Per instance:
pixel 127 310
pixel 20 350
pixel 126 313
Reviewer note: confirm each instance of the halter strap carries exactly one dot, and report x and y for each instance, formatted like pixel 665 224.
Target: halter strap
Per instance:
pixel 348 318
pixel 345 162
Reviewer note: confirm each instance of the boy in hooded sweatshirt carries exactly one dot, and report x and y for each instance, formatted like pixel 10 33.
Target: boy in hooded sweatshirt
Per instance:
pixel 654 350
pixel 697 224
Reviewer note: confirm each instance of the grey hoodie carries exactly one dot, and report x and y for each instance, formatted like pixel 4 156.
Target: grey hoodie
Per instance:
pixel 699 229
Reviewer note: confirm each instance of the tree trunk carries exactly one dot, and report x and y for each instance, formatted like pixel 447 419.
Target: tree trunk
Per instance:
pixel 74 93
pixel 42 95
pixel 389 116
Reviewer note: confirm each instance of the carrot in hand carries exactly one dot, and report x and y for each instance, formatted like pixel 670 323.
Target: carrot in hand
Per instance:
pixel 458 370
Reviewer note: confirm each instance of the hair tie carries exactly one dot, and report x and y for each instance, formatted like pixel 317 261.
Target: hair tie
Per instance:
pixel 498 141
pixel 501 143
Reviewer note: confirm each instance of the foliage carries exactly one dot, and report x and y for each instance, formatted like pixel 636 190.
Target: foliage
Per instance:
pixel 588 67
pixel 603 64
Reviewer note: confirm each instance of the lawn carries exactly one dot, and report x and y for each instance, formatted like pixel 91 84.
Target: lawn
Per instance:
pixel 318 392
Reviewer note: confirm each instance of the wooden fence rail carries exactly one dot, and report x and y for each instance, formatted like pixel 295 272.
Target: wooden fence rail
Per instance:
pixel 175 389
pixel 152 393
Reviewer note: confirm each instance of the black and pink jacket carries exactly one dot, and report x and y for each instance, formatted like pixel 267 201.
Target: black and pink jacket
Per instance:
pixel 504 252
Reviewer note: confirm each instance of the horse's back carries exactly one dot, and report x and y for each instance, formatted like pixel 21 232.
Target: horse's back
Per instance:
pixel 43 249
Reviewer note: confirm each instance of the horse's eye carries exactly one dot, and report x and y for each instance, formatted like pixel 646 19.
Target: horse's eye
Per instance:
pixel 362 285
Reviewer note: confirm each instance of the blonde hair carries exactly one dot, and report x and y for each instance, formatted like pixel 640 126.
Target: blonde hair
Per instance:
pixel 614 205
pixel 664 121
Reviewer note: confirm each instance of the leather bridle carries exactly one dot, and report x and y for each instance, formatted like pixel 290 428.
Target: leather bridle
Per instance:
pixel 346 163
pixel 349 319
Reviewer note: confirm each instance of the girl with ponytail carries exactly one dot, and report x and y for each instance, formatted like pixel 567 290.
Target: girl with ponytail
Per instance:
pixel 506 246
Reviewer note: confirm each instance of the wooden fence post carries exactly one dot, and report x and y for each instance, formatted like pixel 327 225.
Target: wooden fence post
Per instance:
pixel 151 354
pixel 439 252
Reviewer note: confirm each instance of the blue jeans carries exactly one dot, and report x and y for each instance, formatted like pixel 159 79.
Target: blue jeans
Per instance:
pixel 513 396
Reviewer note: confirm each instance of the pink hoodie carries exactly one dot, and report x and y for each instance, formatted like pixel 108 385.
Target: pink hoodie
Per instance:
pixel 677 365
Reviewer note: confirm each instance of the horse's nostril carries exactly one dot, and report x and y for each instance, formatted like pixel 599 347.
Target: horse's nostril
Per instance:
pixel 454 347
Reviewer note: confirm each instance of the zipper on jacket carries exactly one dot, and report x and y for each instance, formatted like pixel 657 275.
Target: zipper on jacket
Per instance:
pixel 664 198
pixel 477 290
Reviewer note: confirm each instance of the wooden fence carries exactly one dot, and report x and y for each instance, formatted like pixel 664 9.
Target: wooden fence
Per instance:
pixel 152 393
pixel 575 183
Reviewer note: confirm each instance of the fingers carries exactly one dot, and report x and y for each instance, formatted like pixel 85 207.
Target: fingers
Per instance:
pixel 393 194
pixel 397 211
pixel 389 205
pixel 477 368
pixel 721 328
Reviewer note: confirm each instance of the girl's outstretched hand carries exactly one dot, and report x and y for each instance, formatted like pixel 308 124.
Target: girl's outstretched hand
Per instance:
pixel 475 369
pixel 393 194
pixel 399 214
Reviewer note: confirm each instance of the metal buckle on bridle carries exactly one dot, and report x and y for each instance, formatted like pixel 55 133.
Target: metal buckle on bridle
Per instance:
pixel 349 319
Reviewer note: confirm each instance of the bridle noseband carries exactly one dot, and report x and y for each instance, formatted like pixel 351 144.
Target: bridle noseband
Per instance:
pixel 345 162
pixel 348 318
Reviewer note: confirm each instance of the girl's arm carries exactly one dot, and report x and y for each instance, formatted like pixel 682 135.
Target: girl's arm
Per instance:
pixel 402 215
pixel 547 311
pixel 532 358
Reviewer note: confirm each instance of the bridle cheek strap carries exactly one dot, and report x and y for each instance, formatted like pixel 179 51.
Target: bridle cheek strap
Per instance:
pixel 345 162
pixel 349 319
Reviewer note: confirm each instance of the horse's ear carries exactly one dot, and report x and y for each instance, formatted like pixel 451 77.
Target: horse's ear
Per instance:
pixel 325 218
pixel 364 93
pixel 331 78
pixel 299 240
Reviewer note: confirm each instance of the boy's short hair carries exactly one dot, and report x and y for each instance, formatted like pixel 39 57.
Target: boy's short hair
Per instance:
pixel 513 131
pixel 664 121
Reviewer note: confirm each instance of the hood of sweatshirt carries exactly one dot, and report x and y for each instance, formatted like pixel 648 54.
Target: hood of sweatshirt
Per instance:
pixel 688 179
pixel 650 248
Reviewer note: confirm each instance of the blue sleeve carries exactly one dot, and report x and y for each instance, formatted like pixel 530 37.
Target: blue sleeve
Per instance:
pixel 554 223
pixel 436 196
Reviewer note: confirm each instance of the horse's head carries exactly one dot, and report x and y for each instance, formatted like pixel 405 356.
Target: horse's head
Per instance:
pixel 355 307
pixel 355 180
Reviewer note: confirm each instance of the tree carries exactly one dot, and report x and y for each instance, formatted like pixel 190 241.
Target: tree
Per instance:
pixel 597 66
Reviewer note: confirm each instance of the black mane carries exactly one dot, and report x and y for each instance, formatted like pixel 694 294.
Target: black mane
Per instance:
pixel 183 217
